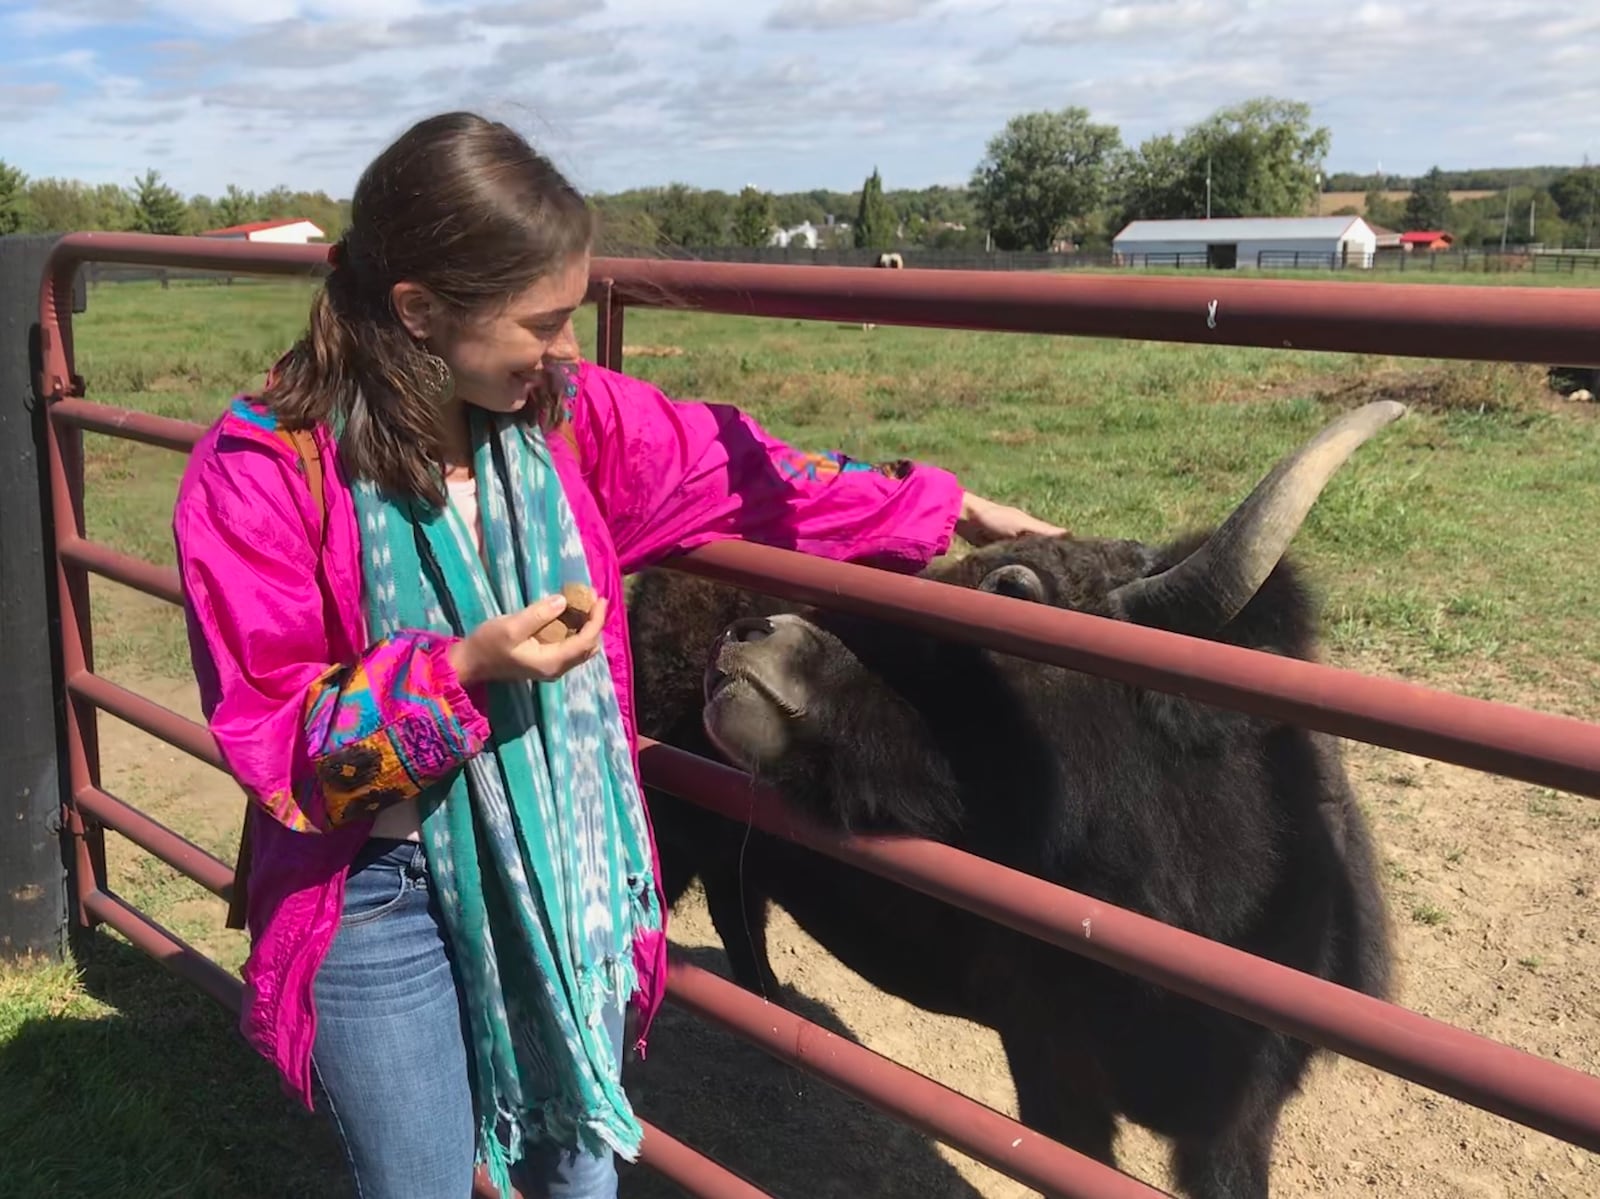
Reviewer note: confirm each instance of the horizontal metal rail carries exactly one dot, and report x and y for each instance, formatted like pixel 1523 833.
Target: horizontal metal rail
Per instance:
pixel 153 837
pixel 1519 1086
pixel 168 432
pixel 177 955
pixel 954 1118
pixel 692 1170
pixel 101 559
pixel 1541 325
pixel 145 714
pixel 1520 743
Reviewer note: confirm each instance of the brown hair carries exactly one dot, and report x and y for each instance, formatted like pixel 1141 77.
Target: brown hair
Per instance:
pixel 465 207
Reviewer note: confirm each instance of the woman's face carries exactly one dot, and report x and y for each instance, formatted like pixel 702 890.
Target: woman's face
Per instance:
pixel 498 360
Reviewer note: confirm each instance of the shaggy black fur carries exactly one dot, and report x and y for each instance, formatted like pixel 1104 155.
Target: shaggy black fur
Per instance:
pixel 1241 829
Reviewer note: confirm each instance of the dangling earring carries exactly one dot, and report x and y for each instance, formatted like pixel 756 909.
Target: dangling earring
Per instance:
pixel 437 381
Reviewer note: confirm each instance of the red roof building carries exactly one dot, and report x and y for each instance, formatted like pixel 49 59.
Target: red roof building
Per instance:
pixel 291 230
pixel 1426 239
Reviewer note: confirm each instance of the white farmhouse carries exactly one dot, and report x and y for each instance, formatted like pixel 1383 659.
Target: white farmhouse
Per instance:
pixel 295 231
pixel 1228 242
pixel 805 234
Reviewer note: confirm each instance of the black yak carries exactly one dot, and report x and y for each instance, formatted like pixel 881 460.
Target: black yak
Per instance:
pixel 1238 828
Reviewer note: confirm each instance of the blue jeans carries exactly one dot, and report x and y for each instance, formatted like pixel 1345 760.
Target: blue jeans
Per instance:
pixel 391 1052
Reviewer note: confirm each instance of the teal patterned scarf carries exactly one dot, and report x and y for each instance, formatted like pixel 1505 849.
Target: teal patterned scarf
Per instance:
pixel 538 848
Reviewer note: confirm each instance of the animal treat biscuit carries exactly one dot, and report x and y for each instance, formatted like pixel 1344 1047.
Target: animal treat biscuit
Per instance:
pixel 580 602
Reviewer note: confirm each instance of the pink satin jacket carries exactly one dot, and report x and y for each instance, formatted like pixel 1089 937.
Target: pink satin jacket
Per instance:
pixel 287 675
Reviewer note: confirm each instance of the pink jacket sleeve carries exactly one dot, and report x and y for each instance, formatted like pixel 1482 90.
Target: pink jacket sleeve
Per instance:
pixel 673 475
pixel 318 741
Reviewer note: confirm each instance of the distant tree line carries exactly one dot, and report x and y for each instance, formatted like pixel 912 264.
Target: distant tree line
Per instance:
pixel 1047 180
pixel 1479 179
pixel 150 205
pixel 1563 211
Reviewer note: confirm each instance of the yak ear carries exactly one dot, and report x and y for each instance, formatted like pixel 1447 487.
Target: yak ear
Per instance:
pixel 1016 581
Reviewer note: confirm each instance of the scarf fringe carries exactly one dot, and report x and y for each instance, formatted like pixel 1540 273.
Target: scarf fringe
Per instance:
pixel 612 981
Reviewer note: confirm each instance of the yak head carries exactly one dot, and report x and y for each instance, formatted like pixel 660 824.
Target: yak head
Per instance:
pixel 880 727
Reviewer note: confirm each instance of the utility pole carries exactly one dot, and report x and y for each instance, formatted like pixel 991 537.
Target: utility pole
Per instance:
pixel 1208 187
pixel 33 893
pixel 1588 221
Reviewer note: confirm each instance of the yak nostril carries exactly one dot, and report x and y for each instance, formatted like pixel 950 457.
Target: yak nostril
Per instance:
pixel 752 628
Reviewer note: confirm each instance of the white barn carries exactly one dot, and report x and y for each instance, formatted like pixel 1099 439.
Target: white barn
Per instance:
pixel 1228 242
pixel 296 231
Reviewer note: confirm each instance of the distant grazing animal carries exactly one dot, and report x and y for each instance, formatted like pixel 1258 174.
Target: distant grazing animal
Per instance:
pixel 892 261
pixel 1239 828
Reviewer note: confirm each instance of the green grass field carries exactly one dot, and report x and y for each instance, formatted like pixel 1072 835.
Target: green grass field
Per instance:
pixel 1453 549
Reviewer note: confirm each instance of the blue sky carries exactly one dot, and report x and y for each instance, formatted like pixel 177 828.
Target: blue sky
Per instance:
pixel 785 94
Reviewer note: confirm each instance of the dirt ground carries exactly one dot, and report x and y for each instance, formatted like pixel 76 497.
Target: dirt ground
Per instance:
pixel 1493 889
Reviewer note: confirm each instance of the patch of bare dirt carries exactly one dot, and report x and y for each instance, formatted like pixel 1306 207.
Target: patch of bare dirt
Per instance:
pixel 1486 387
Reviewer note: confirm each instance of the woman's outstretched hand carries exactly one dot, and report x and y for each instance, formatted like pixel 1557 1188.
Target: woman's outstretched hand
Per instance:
pixel 983 521
pixel 504 647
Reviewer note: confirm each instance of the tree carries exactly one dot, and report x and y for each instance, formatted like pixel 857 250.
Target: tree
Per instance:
pixel 237 207
pixel 752 218
pixel 114 208
pixel 625 228
pixel 157 208
pixel 797 208
pixel 1428 205
pixel 876 227
pixel 1577 199
pixel 687 216
pixel 13 199
pixel 60 206
pixel 1262 158
pixel 1149 183
pixel 1380 210
pixel 201 214
pixel 1043 172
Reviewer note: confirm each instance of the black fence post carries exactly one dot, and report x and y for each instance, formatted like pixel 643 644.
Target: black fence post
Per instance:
pixel 33 877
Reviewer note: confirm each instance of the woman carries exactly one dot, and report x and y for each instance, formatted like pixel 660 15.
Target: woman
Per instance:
pixel 453 893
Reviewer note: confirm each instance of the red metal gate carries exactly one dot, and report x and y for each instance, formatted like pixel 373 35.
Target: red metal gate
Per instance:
pixel 1543 326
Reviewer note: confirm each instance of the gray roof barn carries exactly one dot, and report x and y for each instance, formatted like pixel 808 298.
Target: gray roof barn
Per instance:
pixel 1225 243
pixel 1241 229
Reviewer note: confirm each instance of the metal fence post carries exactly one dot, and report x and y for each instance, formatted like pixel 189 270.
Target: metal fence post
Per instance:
pixel 33 894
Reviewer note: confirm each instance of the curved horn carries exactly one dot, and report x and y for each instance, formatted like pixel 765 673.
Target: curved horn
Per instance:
pixel 1213 584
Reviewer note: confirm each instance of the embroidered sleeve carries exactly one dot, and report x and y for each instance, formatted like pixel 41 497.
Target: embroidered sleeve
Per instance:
pixel 385 728
pixel 315 742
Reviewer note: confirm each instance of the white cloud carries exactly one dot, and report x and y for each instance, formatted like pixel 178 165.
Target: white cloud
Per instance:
pixel 524 13
pixel 1125 20
pixel 843 14
pixel 19 101
pixel 796 93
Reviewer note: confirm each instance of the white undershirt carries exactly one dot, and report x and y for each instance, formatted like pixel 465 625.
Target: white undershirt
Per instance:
pixel 464 497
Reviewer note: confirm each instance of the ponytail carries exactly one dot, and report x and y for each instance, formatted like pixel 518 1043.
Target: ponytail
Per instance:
pixel 365 368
